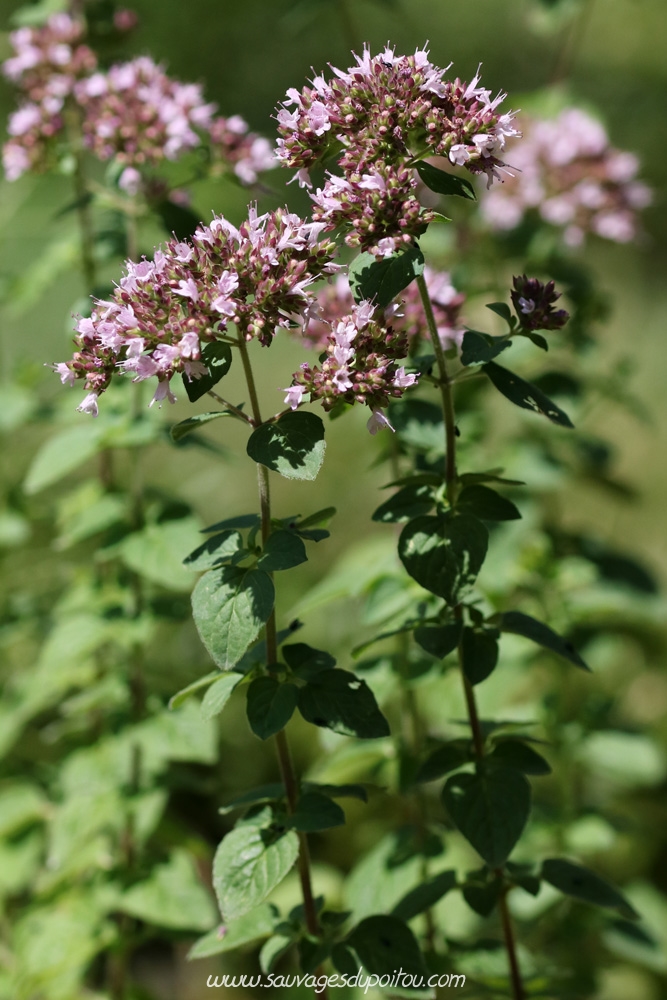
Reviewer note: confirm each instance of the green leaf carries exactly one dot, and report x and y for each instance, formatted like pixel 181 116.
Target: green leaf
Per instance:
pixel 316 812
pixel 325 514
pixel 158 550
pixel 482 897
pixel 229 606
pixel 257 655
pixel 274 949
pixel 385 944
pixel 490 808
pixel 519 624
pixel 219 694
pixel 486 504
pixel 444 555
pixel 217 357
pixel 272 792
pixel 581 883
pixel 503 310
pixel 443 183
pixel 411 501
pixel 270 706
pixel 249 863
pixel 337 791
pixel 305 661
pixel 418 424
pixel 424 896
pixel 479 654
pixel 439 640
pixel 293 445
pixel 172 897
pixel 252 927
pixel 536 339
pixel 240 521
pixel 380 280
pixel 216 549
pixel 525 394
pixel 338 700
pixel 202 682
pixel 520 756
pixel 472 478
pixel 185 427
pixel 283 550
pixel 449 757
pixel 63 453
pixel 478 348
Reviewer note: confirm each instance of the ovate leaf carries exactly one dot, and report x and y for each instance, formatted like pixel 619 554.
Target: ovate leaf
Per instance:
pixel 249 863
pixel 520 756
pixel 172 896
pixel 411 501
pixel 443 183
pixel 219 694
pixel 229 606
pixel 315 812
pixel 486 504
pixel 283 550
pixel 424 896
pixel 338 700
pixel 218 548
pixel 381 279
pixel 478 348
pixel 293 445
pixel 185 427
pixel 385 944
pixel 490 808
pixel 270 706
pixel 444 555
pixel 217 357
pixel 479 654
pixel 253 926
pixel 439 640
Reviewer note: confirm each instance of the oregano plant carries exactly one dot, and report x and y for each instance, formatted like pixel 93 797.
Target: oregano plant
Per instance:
pixel 407 724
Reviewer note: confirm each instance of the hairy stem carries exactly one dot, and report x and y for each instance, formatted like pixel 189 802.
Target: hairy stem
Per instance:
pixel 451 480
pixel 287 772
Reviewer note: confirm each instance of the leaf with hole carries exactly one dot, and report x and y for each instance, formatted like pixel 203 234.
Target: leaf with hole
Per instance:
pixel 525 394
pixel 339 700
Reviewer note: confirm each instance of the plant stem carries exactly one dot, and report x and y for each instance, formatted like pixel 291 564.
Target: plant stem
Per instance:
pixel 571 45
pixel 82 198
pixel 451 480
pixel 446 393
pixel 282 747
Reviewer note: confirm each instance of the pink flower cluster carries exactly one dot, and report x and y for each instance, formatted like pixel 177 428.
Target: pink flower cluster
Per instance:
pixel 133 112
pixel 46 65
pixel 233 144
pixel 136 113
pixel 571 175
pixel 534 301
pixel 165 311
pixel 334 303
pixel 378 119
pixel 360 366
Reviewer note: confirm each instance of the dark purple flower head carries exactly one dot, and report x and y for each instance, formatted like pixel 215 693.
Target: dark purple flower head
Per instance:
pixel 533 301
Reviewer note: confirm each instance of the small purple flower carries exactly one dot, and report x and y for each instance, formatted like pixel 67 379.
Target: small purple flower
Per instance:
pixel 377 422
